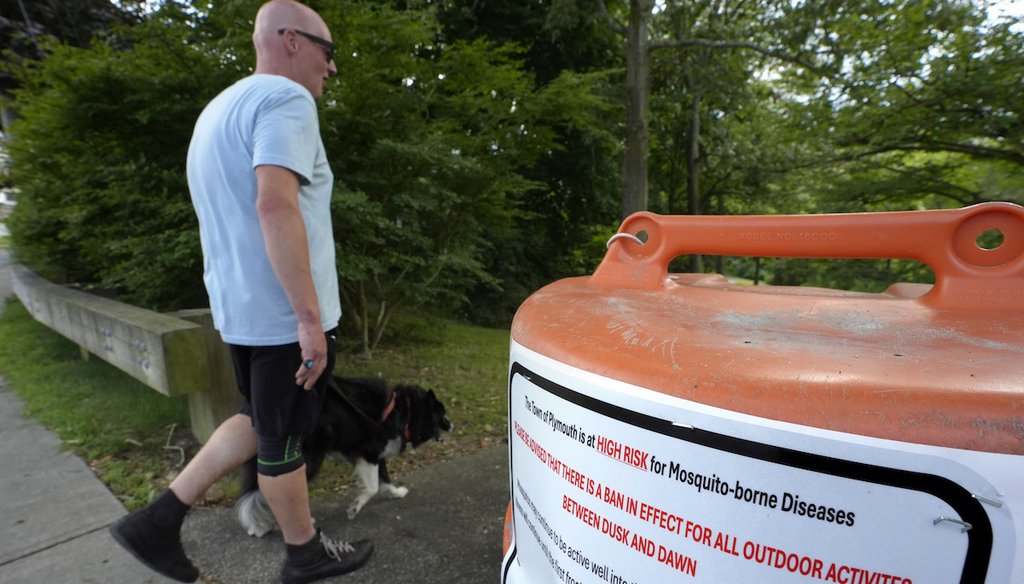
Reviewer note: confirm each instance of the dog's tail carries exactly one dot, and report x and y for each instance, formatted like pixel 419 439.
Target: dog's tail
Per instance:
pixel 254 514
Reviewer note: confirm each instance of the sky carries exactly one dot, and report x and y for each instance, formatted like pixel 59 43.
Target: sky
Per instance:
pixel 1010 8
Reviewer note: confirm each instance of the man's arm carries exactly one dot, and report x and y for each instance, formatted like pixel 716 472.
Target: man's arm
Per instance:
pixel 277 204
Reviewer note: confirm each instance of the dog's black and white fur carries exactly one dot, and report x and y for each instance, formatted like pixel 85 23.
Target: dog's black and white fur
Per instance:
pixel 365 421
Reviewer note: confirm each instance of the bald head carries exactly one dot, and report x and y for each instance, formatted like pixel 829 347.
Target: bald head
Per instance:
pixel 282 36
pixel 278 14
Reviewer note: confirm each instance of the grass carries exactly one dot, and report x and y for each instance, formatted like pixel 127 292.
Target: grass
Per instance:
pixel 135 438
pixel 115 423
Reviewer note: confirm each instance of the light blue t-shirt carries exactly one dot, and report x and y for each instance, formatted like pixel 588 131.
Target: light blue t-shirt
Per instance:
pixel 262 119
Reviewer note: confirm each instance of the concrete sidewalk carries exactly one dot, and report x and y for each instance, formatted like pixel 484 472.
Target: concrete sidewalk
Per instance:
pixel 447 530
pixel 56 513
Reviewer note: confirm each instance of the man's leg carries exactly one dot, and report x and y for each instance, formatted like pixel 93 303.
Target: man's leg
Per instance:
pixel 232 443
pixel 288 498
pixel 284 413
pixel 153 534
pixel 309 554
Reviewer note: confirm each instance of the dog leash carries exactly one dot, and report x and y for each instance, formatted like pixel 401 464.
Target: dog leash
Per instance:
pixel 388 410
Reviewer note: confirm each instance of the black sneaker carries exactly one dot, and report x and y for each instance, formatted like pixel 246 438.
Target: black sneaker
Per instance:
pixel 322 558
pixel 158 547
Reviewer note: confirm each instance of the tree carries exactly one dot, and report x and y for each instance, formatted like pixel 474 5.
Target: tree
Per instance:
pixel 473 143
pixel 958 107
pixel 23 25
pixel 98 156
pixel 577 198
pixel 642 37
pixel 434 145
pixel 826 46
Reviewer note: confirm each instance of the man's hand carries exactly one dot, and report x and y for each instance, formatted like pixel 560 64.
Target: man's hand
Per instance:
pixel 314 351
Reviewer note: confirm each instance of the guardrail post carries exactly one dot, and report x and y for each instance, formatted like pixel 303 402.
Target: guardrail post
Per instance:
pixel 221 400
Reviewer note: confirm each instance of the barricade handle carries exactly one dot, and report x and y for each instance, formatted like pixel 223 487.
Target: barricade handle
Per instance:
pixel 967 275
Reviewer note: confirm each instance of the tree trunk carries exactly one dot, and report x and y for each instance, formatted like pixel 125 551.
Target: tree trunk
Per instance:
pixel 380 325
pixel 720 260
pixel 634 176
pixel 693 170
pixel 357 309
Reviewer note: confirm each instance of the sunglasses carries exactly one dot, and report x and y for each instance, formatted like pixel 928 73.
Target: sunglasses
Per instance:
pixel 326 44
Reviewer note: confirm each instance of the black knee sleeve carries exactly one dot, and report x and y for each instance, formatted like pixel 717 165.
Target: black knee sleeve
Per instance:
pixel 276 456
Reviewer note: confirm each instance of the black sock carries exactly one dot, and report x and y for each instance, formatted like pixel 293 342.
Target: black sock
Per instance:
pixel 167 510
pixel 304 550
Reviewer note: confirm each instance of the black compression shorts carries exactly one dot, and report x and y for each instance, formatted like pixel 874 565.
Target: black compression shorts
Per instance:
pixel 266 378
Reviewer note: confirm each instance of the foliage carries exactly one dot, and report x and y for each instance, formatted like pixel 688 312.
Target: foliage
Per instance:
pixel 72 22
pixel 926 112
pixel 98 155
pixel 417 179
pixel 570 53
pixel 436 147
pixel 477 145
pixel 833 107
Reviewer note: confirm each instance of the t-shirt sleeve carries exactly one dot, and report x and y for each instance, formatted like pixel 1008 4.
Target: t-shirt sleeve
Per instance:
pixel 286 134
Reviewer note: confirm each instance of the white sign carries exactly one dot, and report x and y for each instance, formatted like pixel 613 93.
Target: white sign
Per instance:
pixel 613 484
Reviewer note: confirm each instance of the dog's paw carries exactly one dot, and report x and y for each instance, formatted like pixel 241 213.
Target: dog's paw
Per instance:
pixel 258 531
pixel 355 507
pixel 392 492
pixel 254 514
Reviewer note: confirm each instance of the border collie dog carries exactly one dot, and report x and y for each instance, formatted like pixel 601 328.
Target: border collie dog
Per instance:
pixel 366 421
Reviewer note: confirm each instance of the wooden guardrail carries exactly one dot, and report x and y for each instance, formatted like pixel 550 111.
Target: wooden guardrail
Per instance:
pixel 175 354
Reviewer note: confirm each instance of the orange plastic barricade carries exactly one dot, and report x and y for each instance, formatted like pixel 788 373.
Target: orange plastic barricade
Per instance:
pixel 679 428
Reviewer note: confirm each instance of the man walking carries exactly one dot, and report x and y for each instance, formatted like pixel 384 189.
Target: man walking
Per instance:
pixel 261 186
